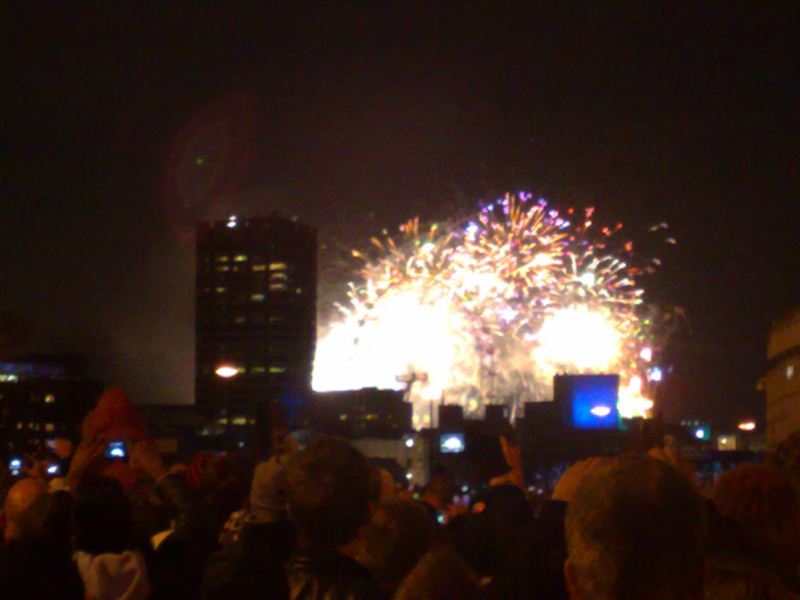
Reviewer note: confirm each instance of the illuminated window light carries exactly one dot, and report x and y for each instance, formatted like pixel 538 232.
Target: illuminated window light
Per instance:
pixel 221 290
pixel 747 426
pixel 8 378
pixel 279 275
pixel 49 399
pixel 258 370
pixel 222 258
pixel 240 258
pixel 277 369
pixel 276 287
pixel 239 421
pixel 222 268
pixel 789 371
pixel 259 267
pixel 277 266
pixel 257 297
pixel 49 427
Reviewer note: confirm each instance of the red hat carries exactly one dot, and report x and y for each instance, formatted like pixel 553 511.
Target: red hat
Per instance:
pixel 113 418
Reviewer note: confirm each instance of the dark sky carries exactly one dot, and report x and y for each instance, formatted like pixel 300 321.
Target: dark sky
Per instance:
pixel 360 115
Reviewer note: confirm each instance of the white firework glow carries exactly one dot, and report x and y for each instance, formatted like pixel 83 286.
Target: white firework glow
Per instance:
pixel 488 310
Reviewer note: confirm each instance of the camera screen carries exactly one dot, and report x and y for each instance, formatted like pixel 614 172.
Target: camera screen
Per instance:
pixel 452 443
pixel 116 450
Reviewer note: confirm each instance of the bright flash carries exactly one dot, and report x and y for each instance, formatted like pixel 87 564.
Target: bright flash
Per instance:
pixel 226 371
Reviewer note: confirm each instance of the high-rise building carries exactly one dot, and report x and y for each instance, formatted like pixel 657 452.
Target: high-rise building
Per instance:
pixel 781 381
pixel 43 398
pixel 255 320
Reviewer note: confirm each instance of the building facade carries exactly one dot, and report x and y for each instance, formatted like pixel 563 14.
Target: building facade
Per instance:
pixel 256 285
pixel 781 381
pixel 41 399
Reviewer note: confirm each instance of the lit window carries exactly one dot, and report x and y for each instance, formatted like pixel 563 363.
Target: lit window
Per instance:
pixel 222 258
pixel 279 275
pixel 298 291
pixel 221 290
pixel 257 297
pixel 240 320
pixel 258 370
pixel 259 267
pixel 343 417
pixel 20 425
pixel 222 421
pixel 240 257
pixel 8 378
pixel 277 266
pixel 222 268
pixel 789 371
pixel 49 427
pixel 239 421
pixel 274 287
pixel 277 369
pixel 49 399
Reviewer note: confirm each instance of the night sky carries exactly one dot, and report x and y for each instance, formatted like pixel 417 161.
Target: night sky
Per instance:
pixel 122 127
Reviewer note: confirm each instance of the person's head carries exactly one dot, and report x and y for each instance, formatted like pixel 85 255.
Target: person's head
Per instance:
pixel 16 509
pixel 225 482
pixel 397 536
pixel 439 490
pixel 51 517
pixel 440 575
pixel 764 504
pixel 268 491
pixel 635 529
pixel 328 489
pixel 38 569
pixel 103 518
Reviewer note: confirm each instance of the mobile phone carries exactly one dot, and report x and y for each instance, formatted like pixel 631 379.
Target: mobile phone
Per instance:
pixel 116 450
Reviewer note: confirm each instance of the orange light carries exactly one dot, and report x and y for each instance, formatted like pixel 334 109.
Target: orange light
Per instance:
pixel 226 371
pixel 747 425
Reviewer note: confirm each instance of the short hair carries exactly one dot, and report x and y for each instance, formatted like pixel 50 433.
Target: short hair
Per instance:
pixel 103 517
pixel 441 575
pixel 398 535
pixel 763 502
pixel 635 529
pixel 328 489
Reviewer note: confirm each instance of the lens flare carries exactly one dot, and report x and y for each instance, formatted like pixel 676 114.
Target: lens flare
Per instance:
pixel 486 310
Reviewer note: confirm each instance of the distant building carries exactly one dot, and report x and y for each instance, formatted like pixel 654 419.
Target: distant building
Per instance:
pixel 781 382
pixel 364 413
pixel 42 398
pixel 255 320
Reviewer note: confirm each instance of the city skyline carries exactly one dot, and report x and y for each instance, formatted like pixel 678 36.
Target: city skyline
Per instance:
pixel 358 120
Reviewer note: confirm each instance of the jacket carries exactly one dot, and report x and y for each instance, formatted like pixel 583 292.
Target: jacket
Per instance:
pixel 329 575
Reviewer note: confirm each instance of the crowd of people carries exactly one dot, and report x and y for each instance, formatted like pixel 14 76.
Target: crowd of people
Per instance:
pixel 322 523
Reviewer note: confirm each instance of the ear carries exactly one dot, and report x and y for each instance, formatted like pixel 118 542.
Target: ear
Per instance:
pixel 573 589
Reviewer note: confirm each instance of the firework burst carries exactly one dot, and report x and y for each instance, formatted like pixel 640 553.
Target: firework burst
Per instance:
pixel 488 309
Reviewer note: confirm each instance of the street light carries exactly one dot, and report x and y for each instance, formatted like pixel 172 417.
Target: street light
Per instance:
pixel 226 371
pixel 747 426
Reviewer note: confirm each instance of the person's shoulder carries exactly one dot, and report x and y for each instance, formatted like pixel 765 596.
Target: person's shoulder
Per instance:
pixel 330 576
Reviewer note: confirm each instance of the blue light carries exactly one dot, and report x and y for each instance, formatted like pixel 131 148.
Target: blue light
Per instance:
pixel 656 374
pixel 592 401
